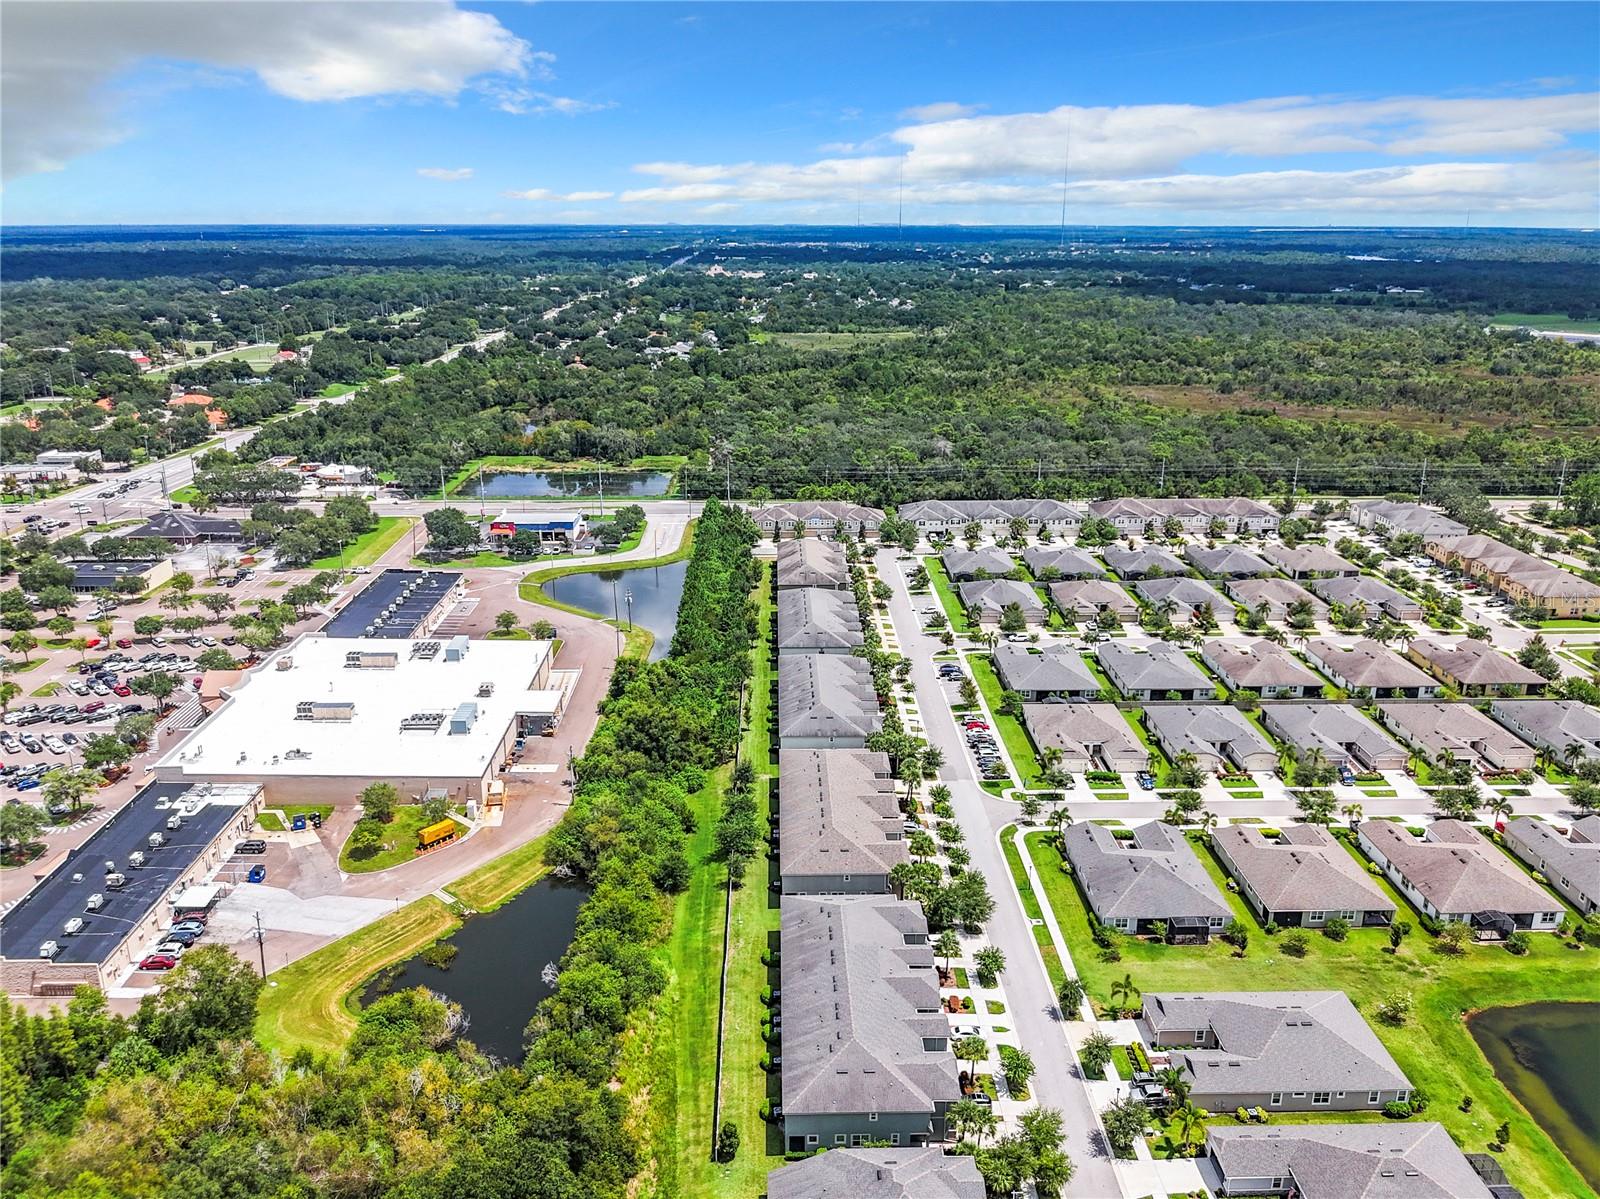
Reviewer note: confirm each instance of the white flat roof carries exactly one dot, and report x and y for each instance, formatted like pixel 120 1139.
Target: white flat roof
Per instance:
pixel 256 733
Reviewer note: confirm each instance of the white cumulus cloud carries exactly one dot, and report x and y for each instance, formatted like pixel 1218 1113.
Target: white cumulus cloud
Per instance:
pixel 544 194
pixel 446 174
pixel 943 110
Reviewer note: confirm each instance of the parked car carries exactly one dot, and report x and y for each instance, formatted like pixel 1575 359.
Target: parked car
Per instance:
pixel 254 845
pixel 182 938
pixel 122 689
pixel 158 961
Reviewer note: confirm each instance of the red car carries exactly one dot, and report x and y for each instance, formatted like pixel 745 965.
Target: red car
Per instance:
pixel 972 725
pixel 124 643
pixel 158 961
pixel 122 689
pixel 92 642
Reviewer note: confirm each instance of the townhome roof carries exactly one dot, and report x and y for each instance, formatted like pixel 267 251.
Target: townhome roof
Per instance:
pixel 1162 667
pixel 1227 560
pixel 1305 870
pixel 1156 876
pixel 1218 730
pixel 1350 1161
pixel 817 618
pixel 1297 559
pixel 1456 869
pixel 1259 663
pixel 1578 861
pixel 994 595
pixel 1366 663
pixel 898 1173
pixel 1474 662
pixel 1054 668
pixel 1185 591
pixel 838 813
pixel 970 562
pixel 859 996
pixel 1538 576
pixel 1411 518
pixel 826 695
pixel 1093 595
pixel 1278 594
pixel 1131 563
pixel 1554 722
pixel 811 563
pixel 1236 507
pixel 1276 1041
pixel 1080 729
pixel 1365 589
pixel 807 511
pixel 1458 728
pixel 1069 563
pixel 1033 511
pixel 1335 729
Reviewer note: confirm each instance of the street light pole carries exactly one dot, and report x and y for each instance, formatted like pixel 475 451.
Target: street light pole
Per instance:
pixel 629 596
pixel 261 944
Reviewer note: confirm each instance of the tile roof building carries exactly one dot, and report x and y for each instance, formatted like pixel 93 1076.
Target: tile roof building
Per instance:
pixel 840 829
pixel 1303 877
pixel 1155 878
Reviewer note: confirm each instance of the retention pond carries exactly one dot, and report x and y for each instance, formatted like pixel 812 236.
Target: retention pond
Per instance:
pixel 656 592
pixel 554 484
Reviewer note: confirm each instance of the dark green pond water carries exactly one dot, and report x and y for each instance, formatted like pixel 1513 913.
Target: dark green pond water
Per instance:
pixel 1548 1056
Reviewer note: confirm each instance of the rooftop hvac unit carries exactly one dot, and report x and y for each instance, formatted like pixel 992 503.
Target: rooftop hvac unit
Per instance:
pixel 95 902
pixel 75 925
pixel 284 663
pixel 422 721
pixel 465 717
pixel 485 690
pixel 49 949
pixel 331 710
pixel 457 649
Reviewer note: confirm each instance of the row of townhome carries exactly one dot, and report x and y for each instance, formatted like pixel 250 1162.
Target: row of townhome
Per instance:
pixel 1517 577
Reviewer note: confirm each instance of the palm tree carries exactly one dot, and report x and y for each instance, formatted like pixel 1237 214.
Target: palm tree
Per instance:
pixel 1352 812
pixel 1124 989
pixel 1500 806
pixel 1208 820
pixel 932 760
pixel 1191 1123
pixel 1174 1080
pixel 1060 819
pixel 1572 755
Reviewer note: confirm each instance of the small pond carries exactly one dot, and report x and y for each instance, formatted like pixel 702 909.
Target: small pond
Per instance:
pixel 497 973
pixel 1548 1056
pixel 536 484
pixel 657 591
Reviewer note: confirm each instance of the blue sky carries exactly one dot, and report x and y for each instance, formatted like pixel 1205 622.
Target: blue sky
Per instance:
pixel 428 111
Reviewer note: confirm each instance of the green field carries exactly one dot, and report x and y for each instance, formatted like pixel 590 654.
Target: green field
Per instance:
pixel 1554 322
pixel 369 547
pixel 832 341
pixel 1433 1047
pixel 399 842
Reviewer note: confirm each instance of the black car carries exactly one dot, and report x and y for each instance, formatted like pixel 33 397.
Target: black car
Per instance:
pixel 251 846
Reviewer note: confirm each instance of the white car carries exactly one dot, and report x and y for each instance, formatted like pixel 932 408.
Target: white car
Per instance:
pixel 55 745
pixel 1018 638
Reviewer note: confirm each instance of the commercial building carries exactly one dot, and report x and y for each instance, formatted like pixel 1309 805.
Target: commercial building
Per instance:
pixel 1285 1051
pixel 1455 874
pixel 866 1048
pixel 325 716
pixel 817 518
pixel 1052 670
pixel 1275 597
pixel 399 605
pixel 826 701
pixel 1371 667
pixel 816 620
pixel 951 517
pixel 1372 593
pixel 1048 562
pixel 991 598
pixel 1162 671
pixel 1560 727
pixel 1308 561
pixel 1236 515
pixel 1188 598
pixel 1472 667
pixel 1343 736
pixel 840 829
pixel 1144 562
pixel 1154 878
pixel 1303 877
pixel 186 528
pixel 1457 730
pixel 562 528
pixel 97 914
pixel 1089 736
pixel 119 575
pixel 1226 561
pixel 811 563
pixel 963 565
pixel 926 1173
pixel 1262 668
pixel 67 458
pixel 1570 864
pixel 1342 1161
pixel 1389 517
pixel 1087 598
pixel 1219 736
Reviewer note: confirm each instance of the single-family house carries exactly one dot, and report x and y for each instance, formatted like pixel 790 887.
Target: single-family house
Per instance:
pixel 840 829
pixel 1343 736
pixel 1342 1161
pixel 1303 877
pixel 925 1173
pixel 811 562
pixel 1226 561
pixel 1455 874
pixel 1148 561
pixel 1308 561
pixel 1561 727
pixel 1153 879
pixel 1161 672
pixel 1221 738
pixel 1459 730
pixel 1275 597
pixel 1285 1051
pixel 817 620
pixel 962 565
pixel 1087 598
pixel 1051 670
pixel 1570 864
pixel 865 1048
pixel 817 518
pixel 1090 736
pixel 1472 667
pixel 826 701
pixel 1051 562
pixel 1370 666
pixel 1261 667
pixel 991 598
pixel 1183 596
pixel 1378 597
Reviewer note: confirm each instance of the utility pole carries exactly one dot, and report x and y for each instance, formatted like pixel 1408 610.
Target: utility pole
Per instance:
pixel 1161 486
pixel 602 471
pixel 261 944
pixel 727 470
pixel 441 482
pixel 1294 487
pixel 1561 481
pixel 1422 485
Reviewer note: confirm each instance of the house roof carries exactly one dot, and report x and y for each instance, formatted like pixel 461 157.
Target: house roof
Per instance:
pixel 1579 860
pixel 1556 722
pixel 992 595
pixel 926 1173
pixel 1276 1041
pixel 1535 574
pixel 1331 728
pixel 811 563
pixel 859 996
pixel 1093 595
pixel 182 526
pixel 1184 590
pixel 1275 593
pixel 1374 592
pixel 817 618
pixel 1308 870
pixel 970 562
pixel 826 695
pixel 1055 668
pixel 838 813
pixel 1227 560
pixel 1140 561
pixel 1215 729
pixel 1350 1161
pixel 1476 662
pixel 990 510
pixel 1080 728
pixel 190 398
pixel 1071 563
pixel 1366 663
pixel 1154 877
pixel 1297 558
pixel 1456 869
pixel 1162 667
pixel 1160 509
pixel 1411 518
pixel 1459 728
pixel 1259 663
pixel 805 511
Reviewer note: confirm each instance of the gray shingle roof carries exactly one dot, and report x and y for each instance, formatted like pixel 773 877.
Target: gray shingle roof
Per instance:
pixel 879 1174
pixel 1276 1041
pixel 1366 663
pixel 1071 563
pixel 1054 668
pixel 1258 663
pixel 1218 730
pixel 1307 871
pixel 1410 518
pixel 1227 560
pixel 967 563
pixel 1079 728
pixel 1278 594
pixel 1579 860
pixel 1350 1161
pixel 858 999
pixel 1365 589
pixel 817 618
pixel 838 813
pixel 1162 667
pixel 1457 870
pixel 811 563
pixel 1033 511
pixel 1154 877
pixel 1474 662
pixel 993 595
pixel 1557 723
pixel 1184 591
pixel 1459 728
pixel 813 511
pixel 1299 558
pixel 1340 731
pixel 1089 596
pixel 1131 563
pixel 826 694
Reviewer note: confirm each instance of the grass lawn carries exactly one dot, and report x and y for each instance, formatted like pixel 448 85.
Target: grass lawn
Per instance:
pixel 1030 907
pixel 510 635
pixel 1556 322
pixel 334 390
pixel 1018 744
pixel 369 547
pixel 493 883
pixel 12 666
pixel 945 590
pixel 273 819
pixel 1162 764
pixel 310 1003
pixel 399 842
pixel 1590 625
pixel 486 558
pixel 1433 1047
